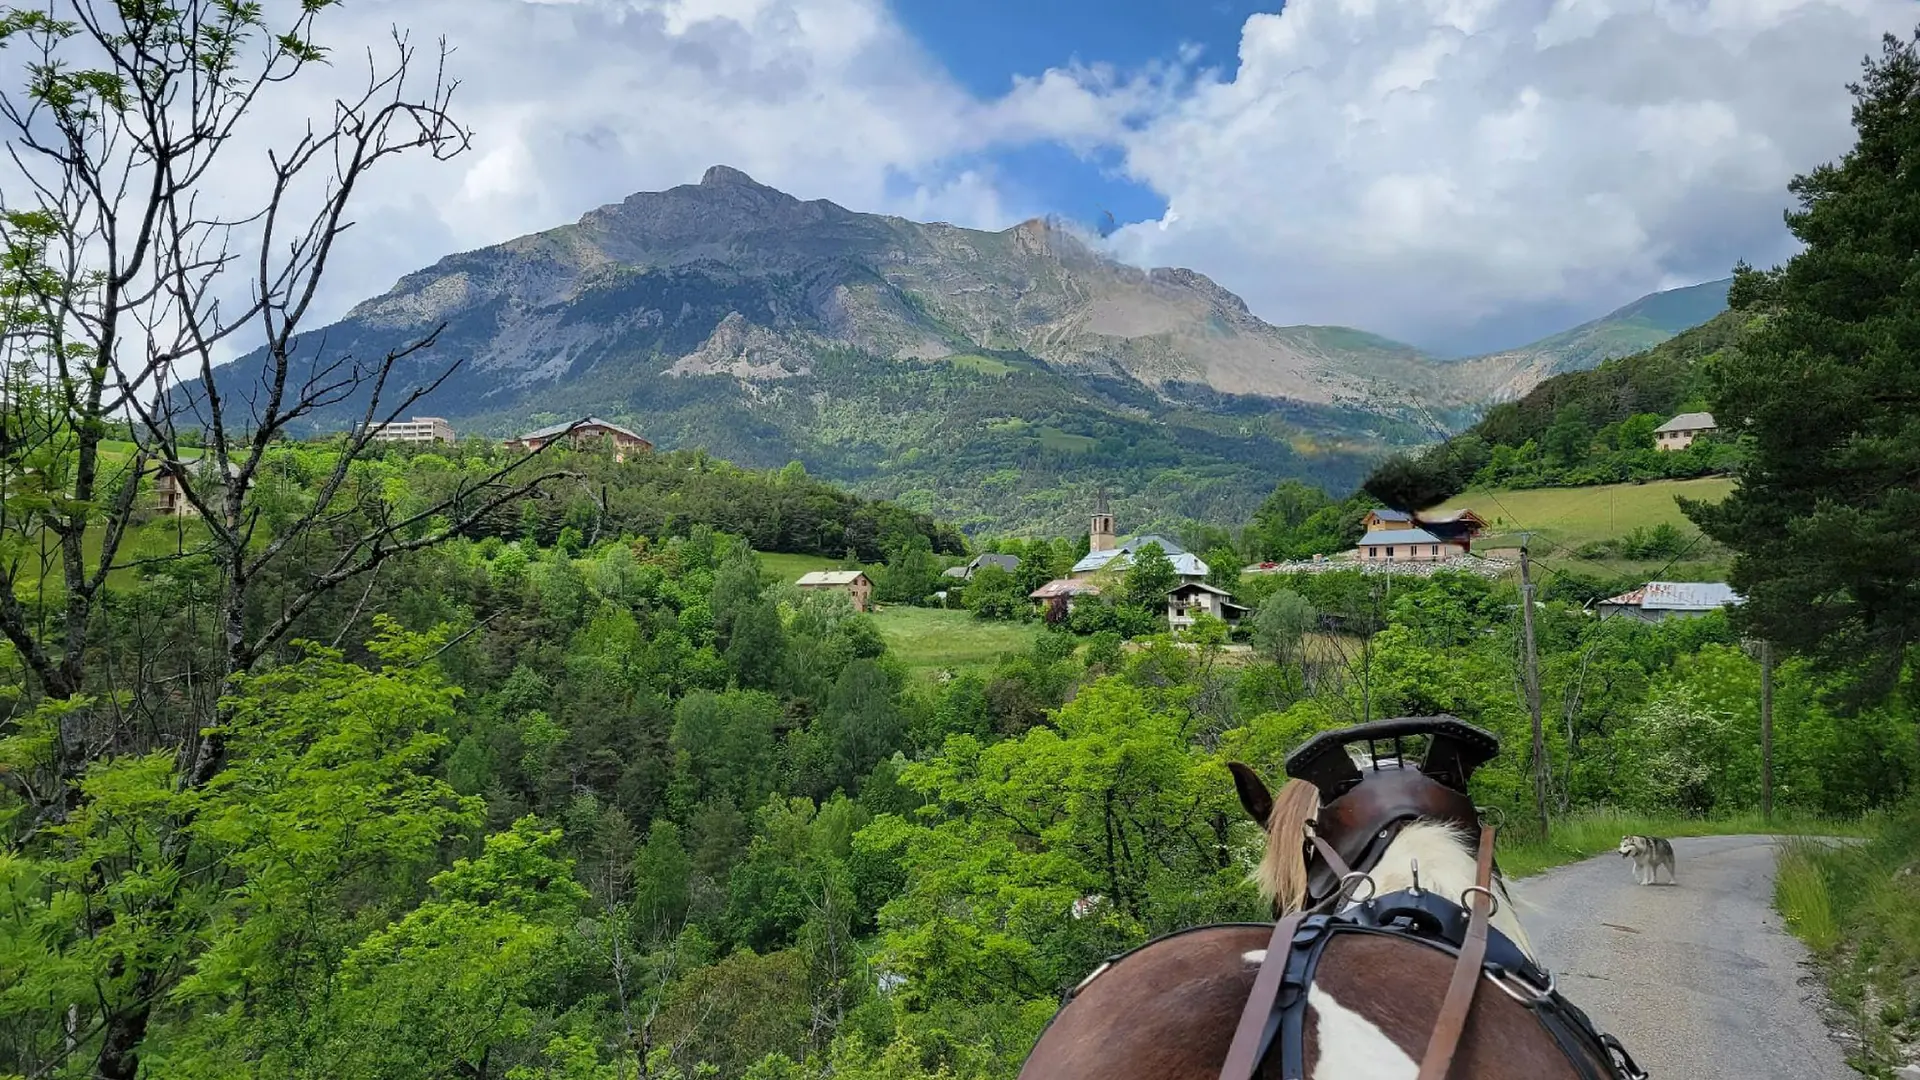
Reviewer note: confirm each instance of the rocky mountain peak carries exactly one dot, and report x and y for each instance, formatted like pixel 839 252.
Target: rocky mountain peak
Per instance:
pixel 727 175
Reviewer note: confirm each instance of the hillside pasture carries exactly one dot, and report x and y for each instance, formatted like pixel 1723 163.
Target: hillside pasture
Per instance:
pixel 929 640
pixel 1571 517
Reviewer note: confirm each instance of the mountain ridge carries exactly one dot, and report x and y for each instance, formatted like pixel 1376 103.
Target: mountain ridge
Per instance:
pixel 921 362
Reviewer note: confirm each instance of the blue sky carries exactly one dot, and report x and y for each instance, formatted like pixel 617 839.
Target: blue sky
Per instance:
pixel 1464 175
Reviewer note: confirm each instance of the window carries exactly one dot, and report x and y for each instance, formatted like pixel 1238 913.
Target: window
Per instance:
pixel 1389 552
pixel 1436 549
pixel 1373 553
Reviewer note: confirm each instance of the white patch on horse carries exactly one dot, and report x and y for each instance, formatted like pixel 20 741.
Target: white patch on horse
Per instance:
pixel 1255 958
pixel 1352 1047
pixel 1447 866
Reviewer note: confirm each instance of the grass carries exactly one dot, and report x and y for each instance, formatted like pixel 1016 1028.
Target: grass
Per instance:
pixel 1596 832
pixel 982 365
pixel 1570 517
pixel 1858 909
pixel 930 640
pixel 787 568
pixel 1053 438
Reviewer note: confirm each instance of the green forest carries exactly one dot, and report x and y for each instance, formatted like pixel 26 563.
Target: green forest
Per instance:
pixel 462 763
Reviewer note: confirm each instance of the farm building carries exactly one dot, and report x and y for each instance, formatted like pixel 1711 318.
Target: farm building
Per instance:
pixel 965 572
pixel 1679 432
pixel 1657 601
pixel 854 583
pixel 1199 598
pixel 591 433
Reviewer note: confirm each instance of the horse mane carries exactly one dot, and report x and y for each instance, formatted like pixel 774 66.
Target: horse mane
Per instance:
pixel 1444 853
pixel 1282 873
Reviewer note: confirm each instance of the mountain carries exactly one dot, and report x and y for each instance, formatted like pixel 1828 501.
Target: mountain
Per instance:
pixel 1639 326
pixel 995 378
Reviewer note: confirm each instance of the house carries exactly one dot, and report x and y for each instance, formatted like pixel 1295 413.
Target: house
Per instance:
pixel 591 433
pixel 1199 598
pixel 965 572
pixel 1679 432
pixel 1657 601
pixel 1186 565
pixel 1407 545
pixel 420 429
pixel 854 583
pixel 1461 525
pixel 170 492
pixel 1064 592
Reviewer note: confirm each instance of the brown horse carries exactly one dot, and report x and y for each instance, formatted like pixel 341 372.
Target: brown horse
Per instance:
pixel 1168 1010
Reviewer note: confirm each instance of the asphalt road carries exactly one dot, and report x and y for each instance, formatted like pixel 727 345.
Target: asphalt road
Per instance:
pixel 1698 980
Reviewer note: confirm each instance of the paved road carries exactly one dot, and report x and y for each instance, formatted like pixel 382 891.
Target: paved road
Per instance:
pixel 1699 980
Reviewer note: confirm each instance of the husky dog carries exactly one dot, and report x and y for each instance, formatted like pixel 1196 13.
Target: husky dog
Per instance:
pixel 1649 854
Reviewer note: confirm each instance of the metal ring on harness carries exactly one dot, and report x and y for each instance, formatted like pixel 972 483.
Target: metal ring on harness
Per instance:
pixel 1345 881
pixel 1486 892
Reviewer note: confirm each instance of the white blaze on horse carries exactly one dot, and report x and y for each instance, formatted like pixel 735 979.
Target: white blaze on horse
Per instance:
pixel 1398 953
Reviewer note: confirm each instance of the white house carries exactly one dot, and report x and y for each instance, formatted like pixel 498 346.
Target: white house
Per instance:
pixel 1199 598
pixel 1407 545
pixel 1679 432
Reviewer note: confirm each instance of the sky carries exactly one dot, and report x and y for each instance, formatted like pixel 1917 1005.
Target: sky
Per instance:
pixel 1464 175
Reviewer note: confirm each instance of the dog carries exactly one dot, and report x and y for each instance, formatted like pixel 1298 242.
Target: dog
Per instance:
pixel 1649 854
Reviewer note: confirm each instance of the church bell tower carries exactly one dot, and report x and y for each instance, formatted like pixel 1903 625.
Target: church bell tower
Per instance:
pixel 1100 535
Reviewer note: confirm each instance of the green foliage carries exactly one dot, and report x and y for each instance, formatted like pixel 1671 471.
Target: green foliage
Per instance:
pixel 1150 577
pixel 1823 522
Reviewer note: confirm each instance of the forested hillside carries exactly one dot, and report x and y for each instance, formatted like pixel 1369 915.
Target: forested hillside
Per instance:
pixel 1581 427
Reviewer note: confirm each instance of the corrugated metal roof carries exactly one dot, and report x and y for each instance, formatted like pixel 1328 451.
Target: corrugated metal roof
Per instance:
pixel 1065 587
pixel 1184 563
pixel 1688 421
pixel 1677 596
pixel 1398 536
pixel 830 577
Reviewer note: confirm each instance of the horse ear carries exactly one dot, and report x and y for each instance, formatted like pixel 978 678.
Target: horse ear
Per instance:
pixel 1253 794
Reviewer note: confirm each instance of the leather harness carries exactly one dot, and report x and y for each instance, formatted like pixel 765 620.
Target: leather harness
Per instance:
pixel 1362 812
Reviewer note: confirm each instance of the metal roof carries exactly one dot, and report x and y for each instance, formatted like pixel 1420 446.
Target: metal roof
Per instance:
pixel 1688 421
pixel 552 430
pixel 1064 587
pixel 830 577
pixel 1008 563
pixel 1399 536
pixel 1185 563
pixel 1677 596
pixel 1385 514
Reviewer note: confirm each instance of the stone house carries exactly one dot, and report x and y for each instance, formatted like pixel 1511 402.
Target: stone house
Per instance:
pixel 855 583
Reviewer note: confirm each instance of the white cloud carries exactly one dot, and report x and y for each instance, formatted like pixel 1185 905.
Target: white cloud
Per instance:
pixel 1432 168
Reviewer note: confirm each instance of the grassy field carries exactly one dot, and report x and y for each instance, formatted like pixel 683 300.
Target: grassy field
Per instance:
pixel 1596 832
pixel 929 640
pixel 1570 517
pixel 782 567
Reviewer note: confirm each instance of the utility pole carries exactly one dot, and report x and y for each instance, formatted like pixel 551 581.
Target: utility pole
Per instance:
pixel 1766 731
pixel 1532 674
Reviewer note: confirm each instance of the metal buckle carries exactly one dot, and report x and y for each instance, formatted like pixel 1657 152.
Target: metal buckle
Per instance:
pixel 1347 882
pixel 1492 900
pixel 1512 983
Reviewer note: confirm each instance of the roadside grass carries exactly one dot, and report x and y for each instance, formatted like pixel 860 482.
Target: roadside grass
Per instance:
pixel 1574 516
pixel 1595 832
pixel 1857 906
pixel 929 640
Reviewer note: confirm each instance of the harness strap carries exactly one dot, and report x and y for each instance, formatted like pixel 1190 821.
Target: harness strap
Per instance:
pixel 1340 867
pixel 1466 971
pixel 1249 1038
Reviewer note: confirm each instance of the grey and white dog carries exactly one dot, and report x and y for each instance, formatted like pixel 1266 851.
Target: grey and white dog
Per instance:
pixel 1649 854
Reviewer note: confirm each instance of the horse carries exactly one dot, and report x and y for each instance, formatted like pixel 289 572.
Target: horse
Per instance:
pixel 1170 1009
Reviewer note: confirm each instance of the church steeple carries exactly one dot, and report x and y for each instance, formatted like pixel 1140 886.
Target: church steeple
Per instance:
pixel 1100 534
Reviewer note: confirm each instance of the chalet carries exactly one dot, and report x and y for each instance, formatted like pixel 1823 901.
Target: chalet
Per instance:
pixel 854 583
pixel 1199 598
pixel 591 433
pixel 1407 546
pixel 419 429
pixel 171 479
pixel 1658 601
pixel 1383 519
pixel 965 572
pixel 1679 432
pixel 1461 525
